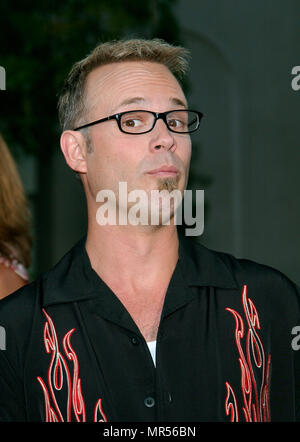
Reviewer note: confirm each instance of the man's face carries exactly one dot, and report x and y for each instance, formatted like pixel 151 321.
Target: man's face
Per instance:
pixel 117 156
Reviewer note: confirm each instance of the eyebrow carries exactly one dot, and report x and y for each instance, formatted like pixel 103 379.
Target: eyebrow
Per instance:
pixel 178 102
pixel 133 100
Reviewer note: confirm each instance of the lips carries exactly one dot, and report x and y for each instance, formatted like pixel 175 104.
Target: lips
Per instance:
pixel 164 170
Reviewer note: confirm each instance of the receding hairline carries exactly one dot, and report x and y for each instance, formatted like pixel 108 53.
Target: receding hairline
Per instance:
pixel 107 76
pixel 72 105
pixel 155 50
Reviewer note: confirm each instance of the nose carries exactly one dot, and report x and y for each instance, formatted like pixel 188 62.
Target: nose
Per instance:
pixel 162 138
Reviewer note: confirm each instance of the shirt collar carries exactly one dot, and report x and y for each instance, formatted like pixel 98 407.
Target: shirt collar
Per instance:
pixel 73 278
pixel 202 266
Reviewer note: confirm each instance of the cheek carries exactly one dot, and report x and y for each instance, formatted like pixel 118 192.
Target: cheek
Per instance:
pixel 125 155
pixel 113 162
pixel 186 152
pixel 186 159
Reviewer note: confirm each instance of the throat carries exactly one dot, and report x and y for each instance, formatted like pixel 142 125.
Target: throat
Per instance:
pixel 145 310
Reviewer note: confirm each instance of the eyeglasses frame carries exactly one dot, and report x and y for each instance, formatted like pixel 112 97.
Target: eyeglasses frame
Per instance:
pixel 157 116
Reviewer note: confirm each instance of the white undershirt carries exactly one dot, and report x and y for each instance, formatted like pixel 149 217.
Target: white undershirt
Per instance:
pixel 152 348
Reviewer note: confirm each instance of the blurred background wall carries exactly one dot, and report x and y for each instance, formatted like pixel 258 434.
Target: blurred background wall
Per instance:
pixel 246 155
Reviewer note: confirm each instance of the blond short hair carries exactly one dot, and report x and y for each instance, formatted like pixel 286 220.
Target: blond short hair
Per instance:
pixel 71 104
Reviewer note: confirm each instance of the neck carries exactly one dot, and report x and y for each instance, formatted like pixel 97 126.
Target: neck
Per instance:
pixel 131 257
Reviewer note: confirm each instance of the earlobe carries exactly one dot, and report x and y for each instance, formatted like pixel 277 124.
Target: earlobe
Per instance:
pixel 72 146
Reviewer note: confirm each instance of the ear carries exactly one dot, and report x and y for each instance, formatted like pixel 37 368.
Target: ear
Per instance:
pixel 73 147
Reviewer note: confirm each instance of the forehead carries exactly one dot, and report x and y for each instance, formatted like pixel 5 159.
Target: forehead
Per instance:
pixel 109 85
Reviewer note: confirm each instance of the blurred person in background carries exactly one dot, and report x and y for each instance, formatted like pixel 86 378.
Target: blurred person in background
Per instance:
pixel 15 237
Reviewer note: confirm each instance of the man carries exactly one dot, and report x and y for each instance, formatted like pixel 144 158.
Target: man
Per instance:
pixel 138 322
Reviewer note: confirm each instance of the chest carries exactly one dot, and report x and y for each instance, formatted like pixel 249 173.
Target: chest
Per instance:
pixel 100 360
pixel 145 309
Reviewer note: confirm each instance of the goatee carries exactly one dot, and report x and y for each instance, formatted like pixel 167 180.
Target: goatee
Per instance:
pixel 168 184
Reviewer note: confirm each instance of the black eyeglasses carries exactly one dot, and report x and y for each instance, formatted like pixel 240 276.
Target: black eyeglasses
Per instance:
pixel 138 122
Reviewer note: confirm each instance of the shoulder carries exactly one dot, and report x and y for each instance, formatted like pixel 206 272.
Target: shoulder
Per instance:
pixel 258 275
pixel 16 309
pixel 17 312
pixel 262 280
pixel 9 281
pixel 19 308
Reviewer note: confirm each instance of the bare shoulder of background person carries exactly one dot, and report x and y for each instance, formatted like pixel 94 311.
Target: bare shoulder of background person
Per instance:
pixel 9 281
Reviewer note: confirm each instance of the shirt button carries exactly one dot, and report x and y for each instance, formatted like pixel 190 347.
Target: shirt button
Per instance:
pixel 135 341
pixel 149 402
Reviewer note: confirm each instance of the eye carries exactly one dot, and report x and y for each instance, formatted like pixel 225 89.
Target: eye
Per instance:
pixel 176 123
pixel 136 121
pixel 131 122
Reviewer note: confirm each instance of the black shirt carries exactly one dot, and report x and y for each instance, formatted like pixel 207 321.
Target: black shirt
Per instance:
pixel 224 346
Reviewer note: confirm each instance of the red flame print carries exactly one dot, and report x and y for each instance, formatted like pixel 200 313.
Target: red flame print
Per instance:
pixel 63 396
pixel 254 368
